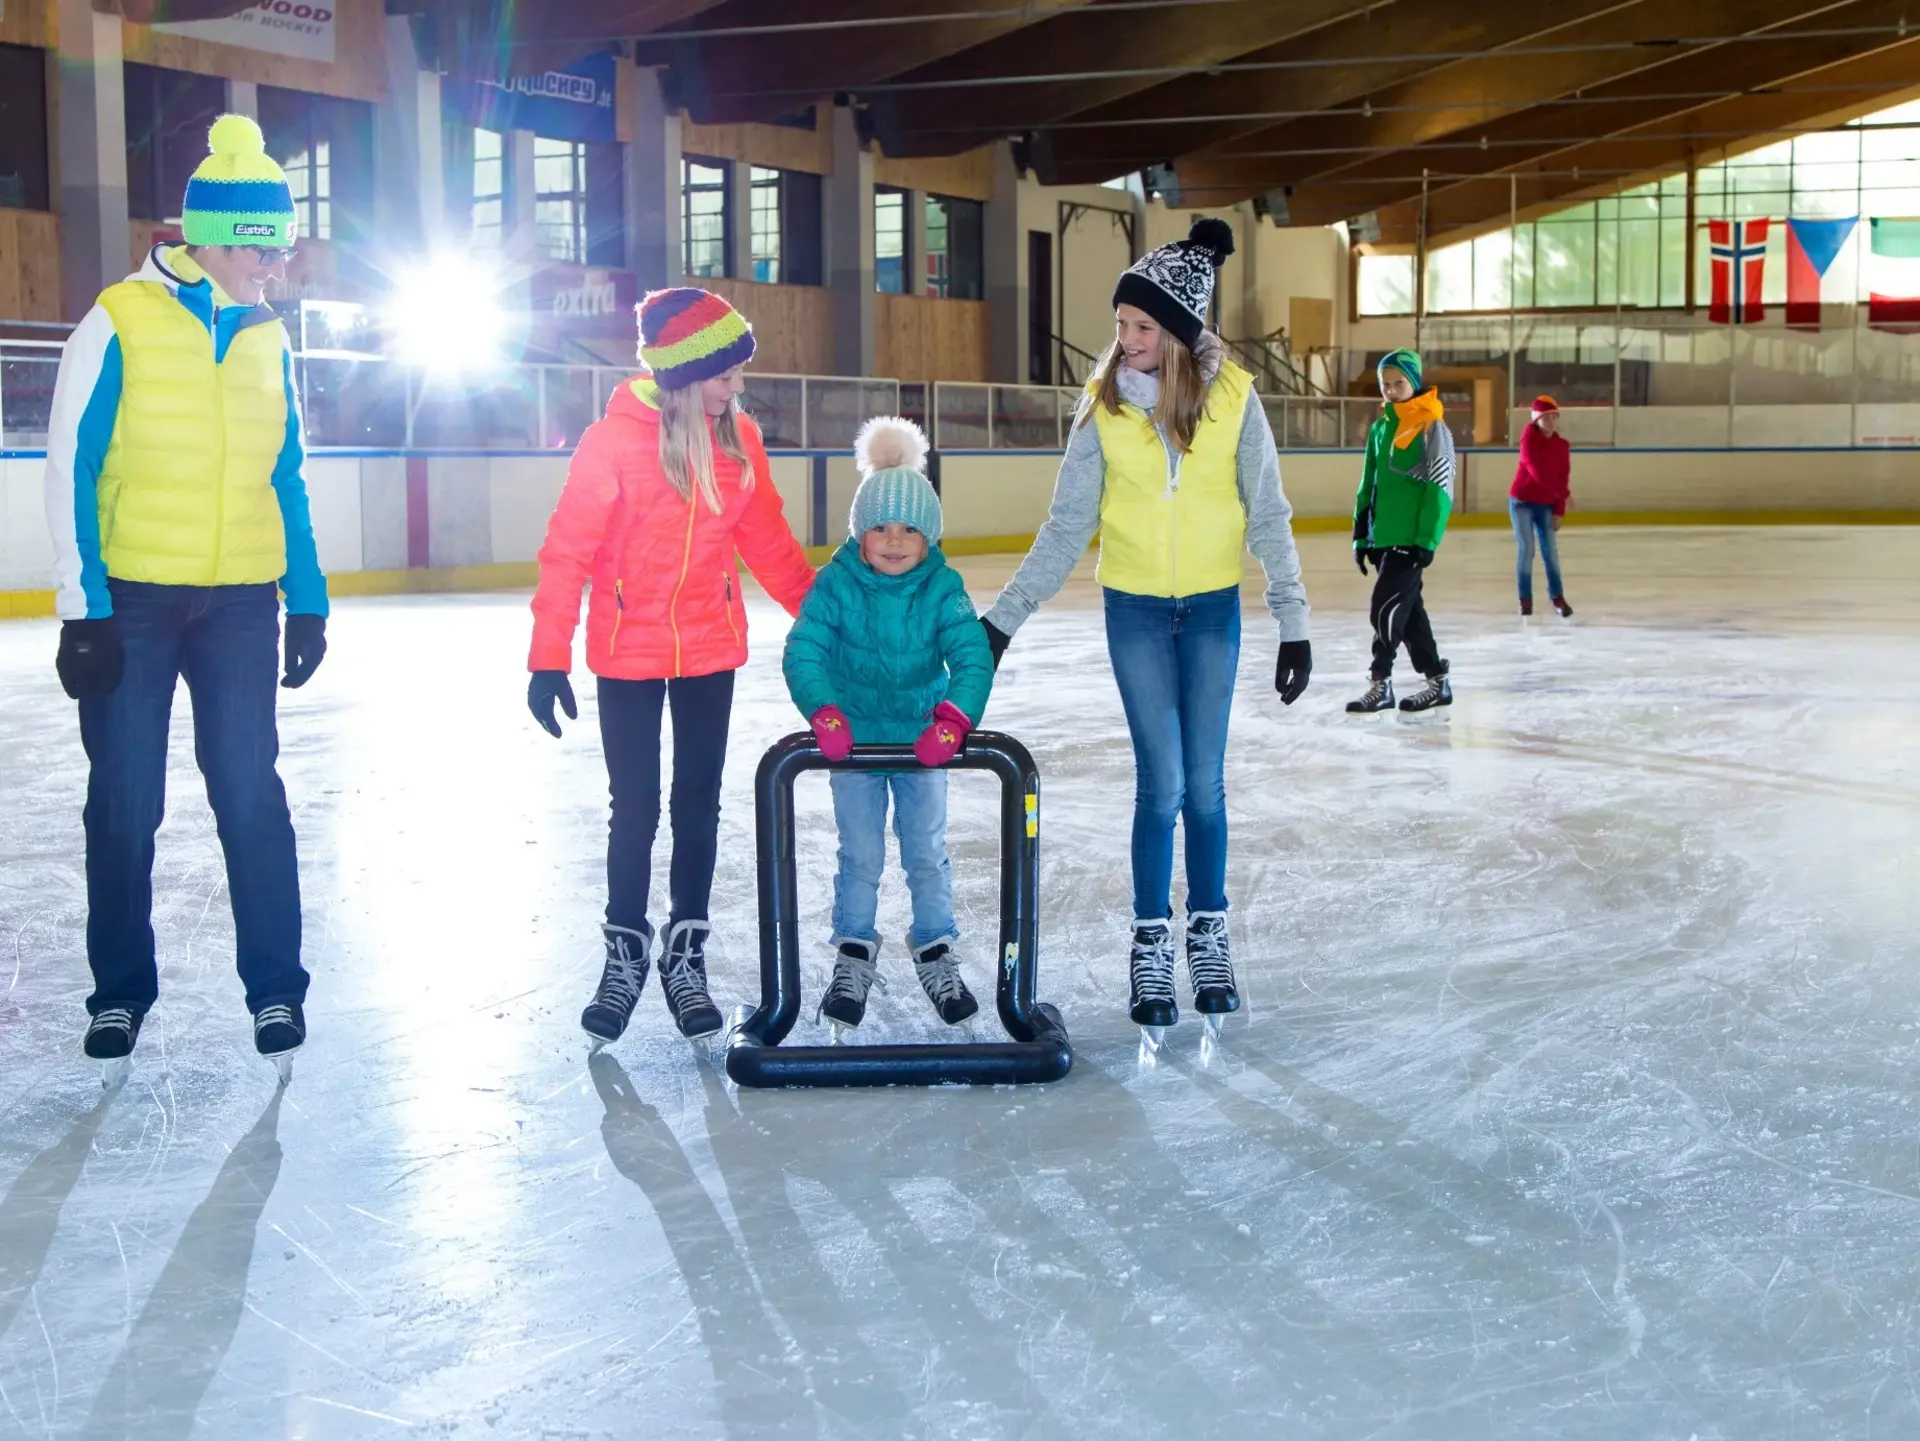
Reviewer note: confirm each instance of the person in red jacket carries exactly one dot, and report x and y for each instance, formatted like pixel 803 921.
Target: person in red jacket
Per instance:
pixel 1538 502
pixel 662 494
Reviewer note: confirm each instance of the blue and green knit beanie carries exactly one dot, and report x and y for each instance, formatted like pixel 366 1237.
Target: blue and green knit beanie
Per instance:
pixel 891 453
pixel 1407 362
pixel 238 195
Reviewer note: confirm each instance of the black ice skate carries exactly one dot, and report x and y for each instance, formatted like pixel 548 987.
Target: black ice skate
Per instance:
pixel 1560 605
pixel 1378 697
pixel 621 980
pixel 1526 605
pixel 279 1031
pixel 855 972
pixel 940 978
pixel 683 979
pixel 1434 693
pixel 1210 968
pixel 1150 968
pixel 110 1040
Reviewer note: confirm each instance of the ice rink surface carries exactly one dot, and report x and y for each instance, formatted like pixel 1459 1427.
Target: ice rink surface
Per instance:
pixel 1574 1097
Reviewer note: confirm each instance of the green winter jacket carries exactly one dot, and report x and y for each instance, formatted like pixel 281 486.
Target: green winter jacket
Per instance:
pixel 881 647
pixel 1405 495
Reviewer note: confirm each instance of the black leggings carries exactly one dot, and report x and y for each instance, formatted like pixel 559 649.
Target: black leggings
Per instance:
pixel 1399 614
pixel 630 734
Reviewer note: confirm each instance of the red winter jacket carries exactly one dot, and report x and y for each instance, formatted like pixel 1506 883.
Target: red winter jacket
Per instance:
pixel 1546 462
pixel 666 599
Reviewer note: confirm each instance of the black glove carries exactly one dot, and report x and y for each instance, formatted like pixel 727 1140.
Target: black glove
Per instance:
pixel 1360 559
pixel 306 641
pixel 90 661
pixel 544 687
pixel 997 640
pixel 1421 557
pixel 1290 672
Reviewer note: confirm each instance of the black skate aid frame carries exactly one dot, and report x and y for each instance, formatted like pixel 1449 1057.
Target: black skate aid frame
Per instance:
pixel 1037 1048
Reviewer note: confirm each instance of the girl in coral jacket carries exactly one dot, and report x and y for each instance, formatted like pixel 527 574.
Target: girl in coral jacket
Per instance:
pixel 1538 502
pixel 662 494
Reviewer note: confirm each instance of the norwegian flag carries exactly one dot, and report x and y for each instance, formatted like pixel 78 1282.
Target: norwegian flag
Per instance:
pixel 1739 259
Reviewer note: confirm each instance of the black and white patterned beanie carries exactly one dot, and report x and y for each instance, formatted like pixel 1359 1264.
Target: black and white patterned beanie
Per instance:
pixel 1174 284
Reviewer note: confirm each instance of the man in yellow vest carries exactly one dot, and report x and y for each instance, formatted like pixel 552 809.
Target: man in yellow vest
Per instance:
pixel 179 518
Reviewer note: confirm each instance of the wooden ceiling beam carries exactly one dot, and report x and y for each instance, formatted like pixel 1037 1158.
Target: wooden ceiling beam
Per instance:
pixel 945 120
pixel 1080 154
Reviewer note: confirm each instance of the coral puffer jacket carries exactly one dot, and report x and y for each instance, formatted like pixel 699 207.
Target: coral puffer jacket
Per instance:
pixel 666 596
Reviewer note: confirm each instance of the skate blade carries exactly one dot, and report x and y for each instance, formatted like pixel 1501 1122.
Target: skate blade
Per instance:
pixel 964 1030
pixel 283 1063
pixel 837 1033
pixel 1215 1024
pixel 1153 1037
pixel 596 1044
pixel 114 1073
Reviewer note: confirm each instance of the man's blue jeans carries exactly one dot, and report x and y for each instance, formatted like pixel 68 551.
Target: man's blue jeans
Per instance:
pixel 226 641
pixel 1531 521
pixel 1174 660
pixel 920 820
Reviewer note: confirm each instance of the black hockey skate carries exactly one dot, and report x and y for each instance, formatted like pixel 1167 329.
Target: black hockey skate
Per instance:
pixel 683 980
pixel 621 980
pixel 1150 969
pixel 1435 692
pixel 1210 968
pixel 855 972
pixel 279 1031
pixel 1378 697
pixel 111 1036
pixel 940 978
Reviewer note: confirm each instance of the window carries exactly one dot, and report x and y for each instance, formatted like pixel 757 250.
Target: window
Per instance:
pixel 168 115
pixel 763 223
pixel 489 189
pixel 326 148
pixel 23 128
pixel 955 264
pixel 560 200
pixel 801 260
pixel 1385 285
pixel 890 240
pixel 704 221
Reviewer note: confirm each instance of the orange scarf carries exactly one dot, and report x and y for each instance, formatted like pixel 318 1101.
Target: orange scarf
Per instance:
pixel 1414 416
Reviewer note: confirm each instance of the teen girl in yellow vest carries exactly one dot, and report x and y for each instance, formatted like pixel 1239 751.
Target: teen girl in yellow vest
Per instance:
pixel 179 518
pixel 1173 462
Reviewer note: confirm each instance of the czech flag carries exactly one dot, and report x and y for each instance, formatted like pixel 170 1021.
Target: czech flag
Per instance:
pixel 1894 296
pixel 1812 246
pixel 1739 262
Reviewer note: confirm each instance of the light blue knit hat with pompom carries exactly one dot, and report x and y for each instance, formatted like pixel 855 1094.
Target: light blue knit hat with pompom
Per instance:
pixel 891 453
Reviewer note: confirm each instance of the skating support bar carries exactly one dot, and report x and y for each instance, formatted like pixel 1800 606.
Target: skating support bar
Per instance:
pixel 1037 1048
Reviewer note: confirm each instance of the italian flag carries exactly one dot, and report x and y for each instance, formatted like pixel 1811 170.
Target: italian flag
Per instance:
pixel 1894 294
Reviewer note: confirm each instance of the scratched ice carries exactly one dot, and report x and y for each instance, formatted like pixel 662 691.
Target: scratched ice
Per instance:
pixel 1573 1098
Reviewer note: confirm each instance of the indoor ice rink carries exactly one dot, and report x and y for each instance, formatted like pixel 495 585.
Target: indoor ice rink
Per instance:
pixel 1572 1096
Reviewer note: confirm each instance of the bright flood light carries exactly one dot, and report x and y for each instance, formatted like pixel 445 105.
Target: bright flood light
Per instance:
pixel 447 315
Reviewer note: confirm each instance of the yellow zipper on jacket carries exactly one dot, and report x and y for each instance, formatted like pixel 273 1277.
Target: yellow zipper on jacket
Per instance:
pixel 686 558
pixel 619 612
pixel 730 625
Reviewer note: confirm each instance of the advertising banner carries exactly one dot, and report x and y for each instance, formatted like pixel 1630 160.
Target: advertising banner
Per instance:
pixel 302 29
pixel 571 104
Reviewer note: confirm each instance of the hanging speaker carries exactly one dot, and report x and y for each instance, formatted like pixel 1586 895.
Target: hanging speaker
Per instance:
pixel 1273 205
pixel 1364 229
pixel 1160 180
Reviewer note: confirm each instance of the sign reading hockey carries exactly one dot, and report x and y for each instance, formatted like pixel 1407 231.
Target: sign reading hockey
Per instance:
pixel 295 28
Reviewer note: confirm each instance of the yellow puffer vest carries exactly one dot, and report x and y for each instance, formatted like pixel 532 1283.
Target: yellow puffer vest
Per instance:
pixel 186 491
pixel 1168 531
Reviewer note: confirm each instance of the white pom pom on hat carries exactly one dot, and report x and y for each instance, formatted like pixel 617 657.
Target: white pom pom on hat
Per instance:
pixel 890 442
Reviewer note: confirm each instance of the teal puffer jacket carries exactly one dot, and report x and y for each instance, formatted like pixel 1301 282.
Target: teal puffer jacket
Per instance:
pixel 888 649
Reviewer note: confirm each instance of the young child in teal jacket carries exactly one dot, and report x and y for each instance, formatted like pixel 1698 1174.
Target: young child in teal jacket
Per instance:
pixel 888 651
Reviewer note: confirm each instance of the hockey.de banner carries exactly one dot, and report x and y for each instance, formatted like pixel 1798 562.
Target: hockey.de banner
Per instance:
pixel 571 104
pixel 295 28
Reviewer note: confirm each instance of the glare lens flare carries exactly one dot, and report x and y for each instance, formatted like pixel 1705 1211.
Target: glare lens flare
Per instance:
pixel 447 315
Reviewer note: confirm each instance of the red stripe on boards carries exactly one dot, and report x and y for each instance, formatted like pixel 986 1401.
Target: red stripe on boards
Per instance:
pixel 419 520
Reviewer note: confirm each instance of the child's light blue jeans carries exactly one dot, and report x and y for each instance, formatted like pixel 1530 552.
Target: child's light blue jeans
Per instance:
pixel 1531 521
pixel 920 821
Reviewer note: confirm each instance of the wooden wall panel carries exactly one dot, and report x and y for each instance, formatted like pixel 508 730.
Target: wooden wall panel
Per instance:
pixel 792 324
pixel 917 337
pixel 968 176
pixel 779 147
pixel 27 22
pixel 358 72
pixel 29 265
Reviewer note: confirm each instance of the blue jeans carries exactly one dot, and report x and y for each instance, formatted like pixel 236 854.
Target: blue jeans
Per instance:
pixel 1174 661
pixel 1531 520
pixel 920 820
pixel 226 641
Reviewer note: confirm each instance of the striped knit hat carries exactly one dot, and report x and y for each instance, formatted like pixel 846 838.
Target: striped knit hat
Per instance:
pixel 1408 363
pixel 238 196
pixel 892 456
pixel 689 335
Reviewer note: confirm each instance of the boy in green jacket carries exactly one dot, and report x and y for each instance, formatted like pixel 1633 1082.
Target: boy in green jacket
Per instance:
pixel 888 650
pixel 1399 516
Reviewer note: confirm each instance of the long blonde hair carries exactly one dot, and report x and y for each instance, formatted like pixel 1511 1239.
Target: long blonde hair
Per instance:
pixel 1183 389
pixel 686 449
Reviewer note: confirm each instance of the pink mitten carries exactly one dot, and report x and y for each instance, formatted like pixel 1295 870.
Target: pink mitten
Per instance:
pixel 831 730
pixel 940 742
